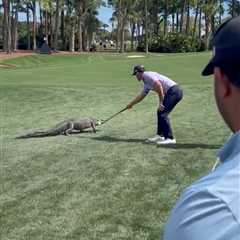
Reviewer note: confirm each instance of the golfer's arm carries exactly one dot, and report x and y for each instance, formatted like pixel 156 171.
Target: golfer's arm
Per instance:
pixel 138 98
pixel 159 89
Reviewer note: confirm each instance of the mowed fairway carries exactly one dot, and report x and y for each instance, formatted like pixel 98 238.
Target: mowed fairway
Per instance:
pixel 108 185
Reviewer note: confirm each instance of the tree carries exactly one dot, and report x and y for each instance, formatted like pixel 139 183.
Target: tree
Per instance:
pixel 32 6
pixel 146 24
pixel 55 44
pixel 209 9
pixel 6 25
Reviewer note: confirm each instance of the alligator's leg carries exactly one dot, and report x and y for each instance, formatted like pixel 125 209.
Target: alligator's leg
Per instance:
pixel 93 127
pixel 70 129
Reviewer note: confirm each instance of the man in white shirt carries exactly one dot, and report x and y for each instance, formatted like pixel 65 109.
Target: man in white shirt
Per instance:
pixel 169 94
pixel 210 207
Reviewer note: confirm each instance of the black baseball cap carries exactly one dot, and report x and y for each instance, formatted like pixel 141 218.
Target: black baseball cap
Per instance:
pixel 226 47
pixel 138 68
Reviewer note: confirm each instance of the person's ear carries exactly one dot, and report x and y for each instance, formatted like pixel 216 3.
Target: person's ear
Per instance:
pixel 224 84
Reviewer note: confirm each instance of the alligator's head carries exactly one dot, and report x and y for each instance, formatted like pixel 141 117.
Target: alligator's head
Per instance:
pixel 97 122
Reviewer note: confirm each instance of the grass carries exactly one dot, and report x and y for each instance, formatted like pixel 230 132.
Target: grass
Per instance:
pixel 109 185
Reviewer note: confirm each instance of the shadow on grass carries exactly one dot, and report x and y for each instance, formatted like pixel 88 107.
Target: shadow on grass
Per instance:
pixel 113 139
pixel 174 146
pixel 191 146
pixel 40 134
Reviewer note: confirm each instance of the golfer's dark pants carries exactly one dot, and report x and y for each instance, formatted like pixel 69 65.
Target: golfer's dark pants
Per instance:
pixel 171 98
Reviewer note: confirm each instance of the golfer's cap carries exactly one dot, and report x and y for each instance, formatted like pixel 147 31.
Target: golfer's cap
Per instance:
pixel 138 68
pixel 226 47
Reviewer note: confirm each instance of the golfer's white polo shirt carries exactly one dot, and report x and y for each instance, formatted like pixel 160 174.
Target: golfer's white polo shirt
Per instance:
pixel 149 78
pixel 210 208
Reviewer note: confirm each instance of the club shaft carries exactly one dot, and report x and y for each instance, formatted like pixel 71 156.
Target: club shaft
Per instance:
pixel 114 115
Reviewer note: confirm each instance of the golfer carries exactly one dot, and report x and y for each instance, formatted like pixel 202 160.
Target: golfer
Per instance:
pixel 169 94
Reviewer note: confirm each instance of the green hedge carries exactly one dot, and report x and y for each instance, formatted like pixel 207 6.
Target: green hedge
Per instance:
pixel 173 43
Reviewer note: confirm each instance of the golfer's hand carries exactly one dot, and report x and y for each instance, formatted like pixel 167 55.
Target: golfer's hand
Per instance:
pixel 161 108
pixel 129 106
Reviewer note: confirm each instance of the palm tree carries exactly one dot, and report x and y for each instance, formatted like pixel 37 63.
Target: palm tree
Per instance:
pixel 32 6
pixel 209 9
pixel 83 8
pixel 196 6
pixel 133 17
pixel 92 25
pixel 146 24
pixel 112 20
pixel 55 44
pixel 183 10
pixel 7 24
pixel 71 23
pixel 14 32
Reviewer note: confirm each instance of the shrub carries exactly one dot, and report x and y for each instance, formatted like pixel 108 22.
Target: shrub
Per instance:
pixel 172 43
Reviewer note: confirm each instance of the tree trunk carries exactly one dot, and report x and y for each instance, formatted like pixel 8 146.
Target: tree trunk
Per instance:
pixel 7 24
pixel 41 14
pixel 2 30
pixel 138 32
pixel 15 27
pixel 122 31
pixel 212 23
pixel 80 39
pixel 200 24
pixel 12 29
pixel 68 32
pixel 41 18
pixel 90 39
pixel 34 26
pixel 195 21
pixel 188 18
pixel 133 26
pixel 173 22
pixel 51 29
pixel 122 37
pixel 165 16
pixel 146 25
pixel 182 16
pixel 86 42
pixel 155 22
pixel 46 26
pixel 56 26
pixel 72 39
pixel 63 28
pixel 28 30
pixel 119 19
pixel 177 21
pixel 207 30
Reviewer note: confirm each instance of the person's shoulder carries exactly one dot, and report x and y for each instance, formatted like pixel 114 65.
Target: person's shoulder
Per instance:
pixel 202 189
pixel 162 76
pixel 151 75
pixel 201 205
pixel 147 73
pixel 196 210
pixel 217 187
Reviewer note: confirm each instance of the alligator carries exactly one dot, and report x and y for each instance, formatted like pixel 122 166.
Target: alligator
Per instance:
pixel 66 128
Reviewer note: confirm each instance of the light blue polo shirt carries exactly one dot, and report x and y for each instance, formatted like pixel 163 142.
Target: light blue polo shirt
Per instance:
pixel 210 208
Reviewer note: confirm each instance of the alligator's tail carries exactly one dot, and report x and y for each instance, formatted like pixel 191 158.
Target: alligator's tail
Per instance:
pixel 38 134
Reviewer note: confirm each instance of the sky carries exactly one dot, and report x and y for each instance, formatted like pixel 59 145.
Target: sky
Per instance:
pixel 105 14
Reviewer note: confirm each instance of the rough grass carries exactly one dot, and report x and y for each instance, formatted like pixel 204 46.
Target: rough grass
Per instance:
pixel 108 185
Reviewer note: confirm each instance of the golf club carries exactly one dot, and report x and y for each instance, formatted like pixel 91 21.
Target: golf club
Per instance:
pixel 114 115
